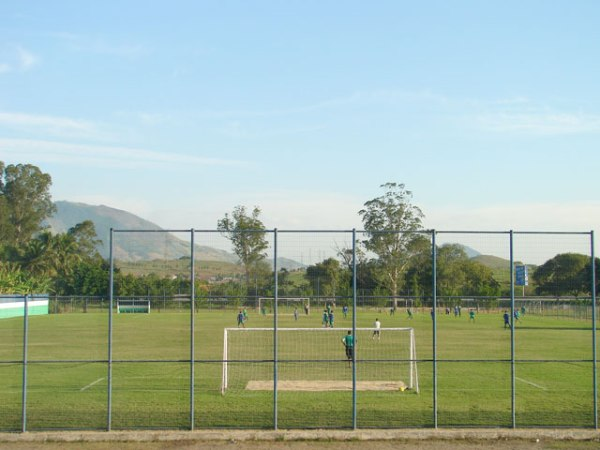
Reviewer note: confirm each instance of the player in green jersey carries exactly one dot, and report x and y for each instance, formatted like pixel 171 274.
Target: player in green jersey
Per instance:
pixel 348 342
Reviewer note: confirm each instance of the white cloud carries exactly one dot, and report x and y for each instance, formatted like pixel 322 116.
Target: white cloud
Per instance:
pixel 52 125
pixel 99 45
pixel 17 58
pixel 26 59
pixel 540 123
pixel 99 156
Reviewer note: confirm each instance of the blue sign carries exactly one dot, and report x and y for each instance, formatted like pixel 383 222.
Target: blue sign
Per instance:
pixel 522 279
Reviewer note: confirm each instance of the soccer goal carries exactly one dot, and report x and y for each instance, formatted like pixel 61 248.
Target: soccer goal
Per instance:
pixel 287 304
pixel 133 306
pixel 314 359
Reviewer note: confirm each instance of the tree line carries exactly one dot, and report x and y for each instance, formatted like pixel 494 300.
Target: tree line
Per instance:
pixel 393 259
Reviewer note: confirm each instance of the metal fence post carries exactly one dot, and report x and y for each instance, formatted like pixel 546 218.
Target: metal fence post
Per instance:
pixel 354 411
pixel 25 339
pixel 192 329
pixel 434 314
pixel 512 334
pixel 275 324
pixel 110 331
pixel 594 346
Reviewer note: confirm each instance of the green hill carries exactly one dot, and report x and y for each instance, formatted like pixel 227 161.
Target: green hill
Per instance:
pixel 154 245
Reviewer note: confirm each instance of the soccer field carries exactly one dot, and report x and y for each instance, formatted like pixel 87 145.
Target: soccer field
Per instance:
pixel 151 373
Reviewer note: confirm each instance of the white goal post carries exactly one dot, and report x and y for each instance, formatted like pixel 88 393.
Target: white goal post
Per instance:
pixel 314 359
pixel 133 306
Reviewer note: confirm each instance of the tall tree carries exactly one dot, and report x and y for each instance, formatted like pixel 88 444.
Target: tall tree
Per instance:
pixel 86 239
pixel 324 277
pixel 26 201
pixel 392 223
pixel 247 235
pixel 565 274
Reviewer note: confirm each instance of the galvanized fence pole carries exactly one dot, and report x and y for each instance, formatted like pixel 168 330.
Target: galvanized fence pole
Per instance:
pixel 110 331
pixel 512 334
pixel 594 346
pixel 434 317
pixel 192 329
pixel 275 324
pixel 354 411
pixel 25 339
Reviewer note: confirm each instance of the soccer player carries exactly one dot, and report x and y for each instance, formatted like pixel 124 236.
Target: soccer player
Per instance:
pixel 240 319
pixel 295 313
pixel 345 311
pixel 245 313
pixel 330 317
pixel 506 319
pixel 409 312
pixel 377 329
pixel 471 315
pixel 348 342
pixel 325 320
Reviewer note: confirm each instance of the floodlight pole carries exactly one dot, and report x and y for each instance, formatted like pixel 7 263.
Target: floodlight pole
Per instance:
pixel 512 332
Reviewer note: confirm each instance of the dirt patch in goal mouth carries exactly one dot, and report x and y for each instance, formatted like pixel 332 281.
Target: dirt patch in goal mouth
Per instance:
pixel 325 385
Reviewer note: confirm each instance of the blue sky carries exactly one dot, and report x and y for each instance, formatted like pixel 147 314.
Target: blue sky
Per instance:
pixel 177 111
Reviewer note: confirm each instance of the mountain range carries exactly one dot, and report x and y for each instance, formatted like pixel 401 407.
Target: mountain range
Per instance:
pixel 155 245
pixel 134 247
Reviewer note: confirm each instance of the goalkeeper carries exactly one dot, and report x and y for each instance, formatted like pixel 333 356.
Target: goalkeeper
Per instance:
pixel 348 342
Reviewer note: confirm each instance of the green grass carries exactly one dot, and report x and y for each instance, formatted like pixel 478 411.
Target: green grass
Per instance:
pixel 149 394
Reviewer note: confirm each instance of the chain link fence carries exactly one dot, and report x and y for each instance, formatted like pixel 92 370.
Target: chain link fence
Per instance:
pixel 497 329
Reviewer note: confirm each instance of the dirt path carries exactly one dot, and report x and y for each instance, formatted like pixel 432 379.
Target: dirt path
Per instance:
pixel 467 439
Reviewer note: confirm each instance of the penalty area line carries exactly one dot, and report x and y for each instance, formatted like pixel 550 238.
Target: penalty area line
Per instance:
pixel 91 384
pixel 532 384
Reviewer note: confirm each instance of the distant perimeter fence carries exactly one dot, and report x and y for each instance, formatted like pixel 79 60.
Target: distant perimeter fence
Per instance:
pixel 497 329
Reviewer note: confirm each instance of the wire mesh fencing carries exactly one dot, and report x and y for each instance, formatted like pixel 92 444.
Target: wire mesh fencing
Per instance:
pixel 269 329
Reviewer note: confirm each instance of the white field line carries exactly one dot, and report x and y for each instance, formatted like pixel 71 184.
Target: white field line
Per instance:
pixel 532 384
pixel 91 384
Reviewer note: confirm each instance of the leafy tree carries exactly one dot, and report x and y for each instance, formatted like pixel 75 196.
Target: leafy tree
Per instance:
pixel 392 224
pixel 324 277
pixel 25 202
pixel 90 277
pixel 247 235
pixel 14 280
pixel 565 274
pixel 85 237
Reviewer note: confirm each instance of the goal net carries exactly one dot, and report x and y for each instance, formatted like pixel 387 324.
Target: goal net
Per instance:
pixel 314 359
pixel 133 306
